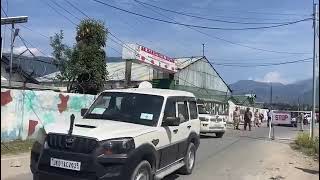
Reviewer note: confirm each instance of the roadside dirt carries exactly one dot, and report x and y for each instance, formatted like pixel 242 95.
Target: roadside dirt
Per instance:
pixel 290 164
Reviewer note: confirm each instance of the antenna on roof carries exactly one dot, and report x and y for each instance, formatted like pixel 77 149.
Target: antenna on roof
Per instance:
pixel 203 50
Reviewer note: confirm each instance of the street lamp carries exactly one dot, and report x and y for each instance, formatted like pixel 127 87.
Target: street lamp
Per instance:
pixel 14 33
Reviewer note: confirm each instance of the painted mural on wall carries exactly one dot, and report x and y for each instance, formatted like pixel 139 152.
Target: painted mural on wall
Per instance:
pixel 23 112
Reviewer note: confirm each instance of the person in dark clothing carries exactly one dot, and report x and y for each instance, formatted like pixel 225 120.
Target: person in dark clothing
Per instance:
pixel 247 119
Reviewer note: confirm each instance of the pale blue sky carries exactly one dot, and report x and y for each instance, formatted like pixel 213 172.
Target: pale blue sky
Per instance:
pixel 179 41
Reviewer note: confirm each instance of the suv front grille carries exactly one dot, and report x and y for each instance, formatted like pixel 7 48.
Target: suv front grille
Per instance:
pixel 203 119
pixel 216 120
pixel 71 143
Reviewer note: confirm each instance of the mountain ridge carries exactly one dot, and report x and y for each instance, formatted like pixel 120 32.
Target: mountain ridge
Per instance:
pixel 293 93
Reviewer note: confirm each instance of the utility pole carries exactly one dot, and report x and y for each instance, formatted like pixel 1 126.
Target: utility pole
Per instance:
pixel 14 33
pixel 315 29
pixel 127 82
pixel 11 53
pixel 202 50
pixel 270 93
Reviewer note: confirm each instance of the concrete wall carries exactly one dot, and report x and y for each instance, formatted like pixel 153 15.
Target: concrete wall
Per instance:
pixel 23 112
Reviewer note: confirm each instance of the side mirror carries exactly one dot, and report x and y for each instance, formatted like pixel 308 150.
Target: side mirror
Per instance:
pixel 171 121
pixel 83 111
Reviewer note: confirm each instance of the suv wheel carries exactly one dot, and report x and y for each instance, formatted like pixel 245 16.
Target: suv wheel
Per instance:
pixel 142 171
pixel 219 135
pixel 189 160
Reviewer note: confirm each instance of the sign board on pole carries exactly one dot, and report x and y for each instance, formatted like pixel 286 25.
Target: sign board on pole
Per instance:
pixel 141 54
pixel 281 117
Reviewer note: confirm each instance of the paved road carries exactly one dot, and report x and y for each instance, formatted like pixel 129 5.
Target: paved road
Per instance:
pixel 235 152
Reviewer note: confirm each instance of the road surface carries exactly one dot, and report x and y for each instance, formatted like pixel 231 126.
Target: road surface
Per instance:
pixel 237 155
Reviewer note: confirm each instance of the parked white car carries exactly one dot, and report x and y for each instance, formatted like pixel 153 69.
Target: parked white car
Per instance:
pixel 128 134
pixel 211 123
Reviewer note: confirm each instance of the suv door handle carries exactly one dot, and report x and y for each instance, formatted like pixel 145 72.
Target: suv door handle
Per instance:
pixel 189 126
pixel 175 131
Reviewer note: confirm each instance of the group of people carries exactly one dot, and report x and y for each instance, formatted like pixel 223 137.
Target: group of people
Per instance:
pixel 258 118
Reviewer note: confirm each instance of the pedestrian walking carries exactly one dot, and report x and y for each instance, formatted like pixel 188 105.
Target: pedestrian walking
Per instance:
pixel 256 118
pixel 301 119
pixel 247 119
pixel 236 118
pixel 269 117
pixel 261 116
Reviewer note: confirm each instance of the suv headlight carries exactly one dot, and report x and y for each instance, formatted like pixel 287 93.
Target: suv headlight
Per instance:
pixel 116 146
pixel 41 136
pixel 40 140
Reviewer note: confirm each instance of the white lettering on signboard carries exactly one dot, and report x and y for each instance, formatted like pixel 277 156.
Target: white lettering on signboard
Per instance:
pixel 142 54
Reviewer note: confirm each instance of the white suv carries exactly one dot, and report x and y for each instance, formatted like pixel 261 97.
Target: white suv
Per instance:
pixel 129 134
pixel 211 123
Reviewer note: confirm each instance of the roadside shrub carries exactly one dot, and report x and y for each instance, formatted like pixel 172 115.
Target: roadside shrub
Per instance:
pixel 307 145
pixel 303 140
pixel 316 145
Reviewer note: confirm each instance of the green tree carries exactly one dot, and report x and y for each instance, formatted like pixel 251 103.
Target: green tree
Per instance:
pixel 89 56
pixel 62 59
pixel 83 66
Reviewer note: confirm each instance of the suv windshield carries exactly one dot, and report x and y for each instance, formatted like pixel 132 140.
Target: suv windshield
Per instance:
pixel 202 109
pixel 126 107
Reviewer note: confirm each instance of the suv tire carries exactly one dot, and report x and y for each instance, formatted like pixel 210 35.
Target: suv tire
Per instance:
pixel 219 135
pixel 142 171
pixel 189 160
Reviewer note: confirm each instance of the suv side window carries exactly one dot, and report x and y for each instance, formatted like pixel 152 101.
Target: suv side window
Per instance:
pixel 170 109
pixel 183 112
pixel 193 110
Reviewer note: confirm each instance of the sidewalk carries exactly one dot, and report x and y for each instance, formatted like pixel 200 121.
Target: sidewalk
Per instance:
pixel 12 165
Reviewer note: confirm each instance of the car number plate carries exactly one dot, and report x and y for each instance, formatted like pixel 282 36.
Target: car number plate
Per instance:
pixel 65 164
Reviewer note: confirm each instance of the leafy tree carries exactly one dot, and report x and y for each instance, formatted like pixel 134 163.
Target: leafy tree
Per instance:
pixel 83 66
pixel 62 59
pixel 89 56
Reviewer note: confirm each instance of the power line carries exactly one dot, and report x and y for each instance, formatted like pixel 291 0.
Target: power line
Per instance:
pixel 75 7
pixel 252 12
pixel 25 41
pixel 229 17
pixel 59 13
pixel 202 27
pixel 4 12
pixel 123 44
pixel 227 60
pixel 114 49
pixel 225 40
pixel 205 18
pixel 263 65
pixel 45 36
pixel 57 4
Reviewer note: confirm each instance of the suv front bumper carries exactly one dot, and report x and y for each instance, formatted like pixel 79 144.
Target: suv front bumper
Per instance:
pixel 209 127
pixel 104 167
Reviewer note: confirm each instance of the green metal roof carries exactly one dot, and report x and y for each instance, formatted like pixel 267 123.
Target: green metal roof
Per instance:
pixel 242 100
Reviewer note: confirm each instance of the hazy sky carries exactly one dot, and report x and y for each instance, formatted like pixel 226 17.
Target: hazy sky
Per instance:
pixel 179 41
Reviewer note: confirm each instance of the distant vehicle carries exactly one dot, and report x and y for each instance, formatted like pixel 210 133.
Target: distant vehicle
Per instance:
pixel 211 123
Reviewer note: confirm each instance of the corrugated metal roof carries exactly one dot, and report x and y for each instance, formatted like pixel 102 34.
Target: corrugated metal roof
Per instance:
pixel 116 70
pixel 186 61
pixel 139 72
pixel 49 77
